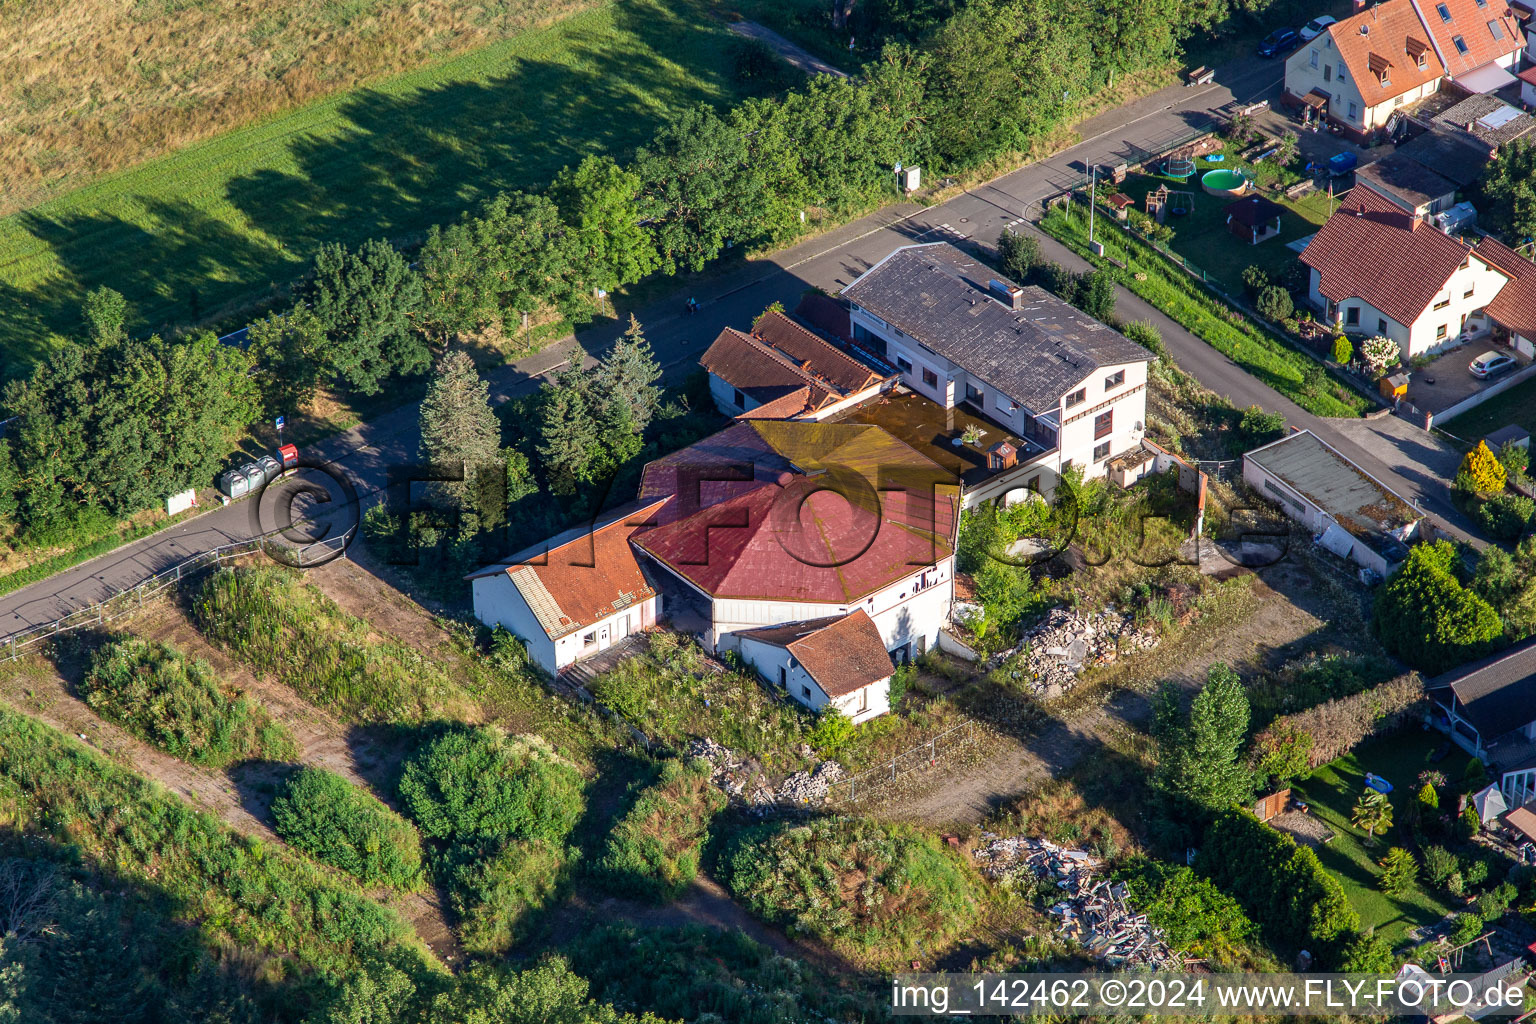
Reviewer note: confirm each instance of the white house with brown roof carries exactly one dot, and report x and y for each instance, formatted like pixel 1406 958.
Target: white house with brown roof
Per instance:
pixel 574 595
pixel 1362 69
pixel 960 334
pixel 839 660
pixel 1378 269
pixel 783 370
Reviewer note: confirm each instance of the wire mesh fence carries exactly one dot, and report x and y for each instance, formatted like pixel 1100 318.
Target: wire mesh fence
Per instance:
pixel 923 755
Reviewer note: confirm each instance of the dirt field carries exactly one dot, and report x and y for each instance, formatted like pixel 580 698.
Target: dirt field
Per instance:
pixel 1288 612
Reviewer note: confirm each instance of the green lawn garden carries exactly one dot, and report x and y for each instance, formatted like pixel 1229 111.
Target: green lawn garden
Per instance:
pixel 1201 236
pixel 1517 406
pixel 1332 791
pixel 217 227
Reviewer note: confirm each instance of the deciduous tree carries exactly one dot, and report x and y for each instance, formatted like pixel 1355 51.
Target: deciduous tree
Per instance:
pixel 365 301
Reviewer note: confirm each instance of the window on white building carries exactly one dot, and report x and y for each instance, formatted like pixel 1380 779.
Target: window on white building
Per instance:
pixel 1101 452
pixel 1354 111
pixel 1114 380
pixel 1077 397
pixel 930 378
pixel 1314 57
pixel 588 639
pixel 1441 331
pixel 903 364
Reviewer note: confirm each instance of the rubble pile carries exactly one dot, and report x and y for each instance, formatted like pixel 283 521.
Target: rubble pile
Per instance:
pixel 813 786
pixel 744 780
pixel 1058 649
pixel 1094 911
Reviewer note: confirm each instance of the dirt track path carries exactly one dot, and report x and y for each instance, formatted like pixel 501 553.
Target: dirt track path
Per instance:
pixel 969 794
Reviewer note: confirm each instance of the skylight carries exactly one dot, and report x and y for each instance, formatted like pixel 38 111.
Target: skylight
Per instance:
pixel 1445 13
pixel 1496 29
pixel 1461 44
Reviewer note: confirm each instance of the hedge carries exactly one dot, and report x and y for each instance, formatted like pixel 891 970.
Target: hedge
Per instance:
pixel 1339 726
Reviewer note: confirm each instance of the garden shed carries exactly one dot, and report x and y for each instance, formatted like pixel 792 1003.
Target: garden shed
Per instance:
pixel 1254 219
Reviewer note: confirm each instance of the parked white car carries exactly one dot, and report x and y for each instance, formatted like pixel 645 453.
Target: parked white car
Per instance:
pixel 1491 364
pixel 1316 27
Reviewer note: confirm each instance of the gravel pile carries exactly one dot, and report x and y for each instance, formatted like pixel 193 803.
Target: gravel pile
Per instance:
pixel 745 781
pixel 811 787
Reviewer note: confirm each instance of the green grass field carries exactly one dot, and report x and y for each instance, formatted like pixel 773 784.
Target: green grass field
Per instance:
pixel 219 227
pixel 1517 406
pixel 1332 791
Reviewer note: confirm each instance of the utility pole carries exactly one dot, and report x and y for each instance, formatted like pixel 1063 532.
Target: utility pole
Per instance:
pixel 1095 247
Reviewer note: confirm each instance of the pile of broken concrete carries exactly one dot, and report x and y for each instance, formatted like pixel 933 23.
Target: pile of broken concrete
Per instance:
pixel 745 780
pixel 1092 911
pixel 1058 649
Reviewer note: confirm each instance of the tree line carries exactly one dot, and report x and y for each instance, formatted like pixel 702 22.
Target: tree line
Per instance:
pixel 109 425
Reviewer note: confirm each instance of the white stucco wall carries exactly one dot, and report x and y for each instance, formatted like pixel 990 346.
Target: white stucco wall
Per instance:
pixel 779 667
pixel 1330 75
pixel 1422 336
pixel 499 603
pixel 903 614
pixel 1128 403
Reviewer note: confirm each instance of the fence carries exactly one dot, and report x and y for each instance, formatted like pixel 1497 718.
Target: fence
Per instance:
pixel 920 756
pixel 132 599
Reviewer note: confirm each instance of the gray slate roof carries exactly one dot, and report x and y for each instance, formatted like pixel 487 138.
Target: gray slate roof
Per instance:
pixel 938 295
pixel 1496 694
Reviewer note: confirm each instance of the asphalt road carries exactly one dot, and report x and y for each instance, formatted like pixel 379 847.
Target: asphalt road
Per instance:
pixel 364 454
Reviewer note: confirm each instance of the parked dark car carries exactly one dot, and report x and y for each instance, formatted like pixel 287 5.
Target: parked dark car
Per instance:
pixel 1278 42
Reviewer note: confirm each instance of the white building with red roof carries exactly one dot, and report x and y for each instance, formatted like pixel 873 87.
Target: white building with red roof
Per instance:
pixel 1377 269
pixel 573 595
pixel 839 661
pixel 1362 69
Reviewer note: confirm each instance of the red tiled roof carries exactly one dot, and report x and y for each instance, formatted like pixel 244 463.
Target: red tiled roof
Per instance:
pixel 843 653
pixel 1374 250
pixel 586 579
pixel 782 408
pixel 1528 75
pixel 1515 304
pixel 1471 23
pixel 1391 29
pixel 779 357
pixel 828 513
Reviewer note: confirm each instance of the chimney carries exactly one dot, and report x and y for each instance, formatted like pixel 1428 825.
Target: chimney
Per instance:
pixel 1010 295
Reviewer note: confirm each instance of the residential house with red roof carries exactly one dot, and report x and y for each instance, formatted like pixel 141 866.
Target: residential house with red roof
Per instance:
pixel 1376 269
pixel 782 369
pixel 1364 68
pixel 773 522
pixel 839 660
pixel 574 595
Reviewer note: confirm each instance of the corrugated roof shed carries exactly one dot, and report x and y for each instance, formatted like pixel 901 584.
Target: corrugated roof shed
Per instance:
pixel 1360 504
pixel 1035 354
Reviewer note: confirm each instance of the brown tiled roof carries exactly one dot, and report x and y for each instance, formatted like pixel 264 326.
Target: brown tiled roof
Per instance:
pixel 1373 249
pixel 816 355
pixel 580 581
pixel 784 407
pixel 1390 29
pixel 780 358
pixel 1470 22
pixel 842 653
pixel 1515 304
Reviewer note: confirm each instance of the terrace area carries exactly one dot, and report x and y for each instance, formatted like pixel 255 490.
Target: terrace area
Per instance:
pixel 937 433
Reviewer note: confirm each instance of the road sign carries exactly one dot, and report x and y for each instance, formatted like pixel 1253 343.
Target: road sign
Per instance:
pixel 280 422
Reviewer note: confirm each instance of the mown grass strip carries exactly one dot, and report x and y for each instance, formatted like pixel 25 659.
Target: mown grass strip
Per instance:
pixel 1154 278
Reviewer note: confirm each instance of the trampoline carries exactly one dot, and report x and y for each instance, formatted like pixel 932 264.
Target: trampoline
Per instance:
pixel 1179 167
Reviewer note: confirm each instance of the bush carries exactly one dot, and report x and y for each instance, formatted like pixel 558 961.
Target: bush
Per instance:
pixel 1439 864
pixel 1494 903
pixel 832 730
pixel 1258 427
pixel 1398 872
pixel 1274 304
pixel 1255 280
pixel 1368 954
pixel 1426 617
pixel 1380 354
pixel 1516 460
pixel 338 824
pixel 653 851
pixel 480 784
pixel 1282 886
pixel 1338 726
pixel 1483 470
pixel 875 888
pixel 1503 517
pixel 1468 825
pixel 1467 928
pixel 1343 351
pixel 1018 254
pixel 1197 918
pixel 1147 336
pixel 179 705
pixel 494 893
